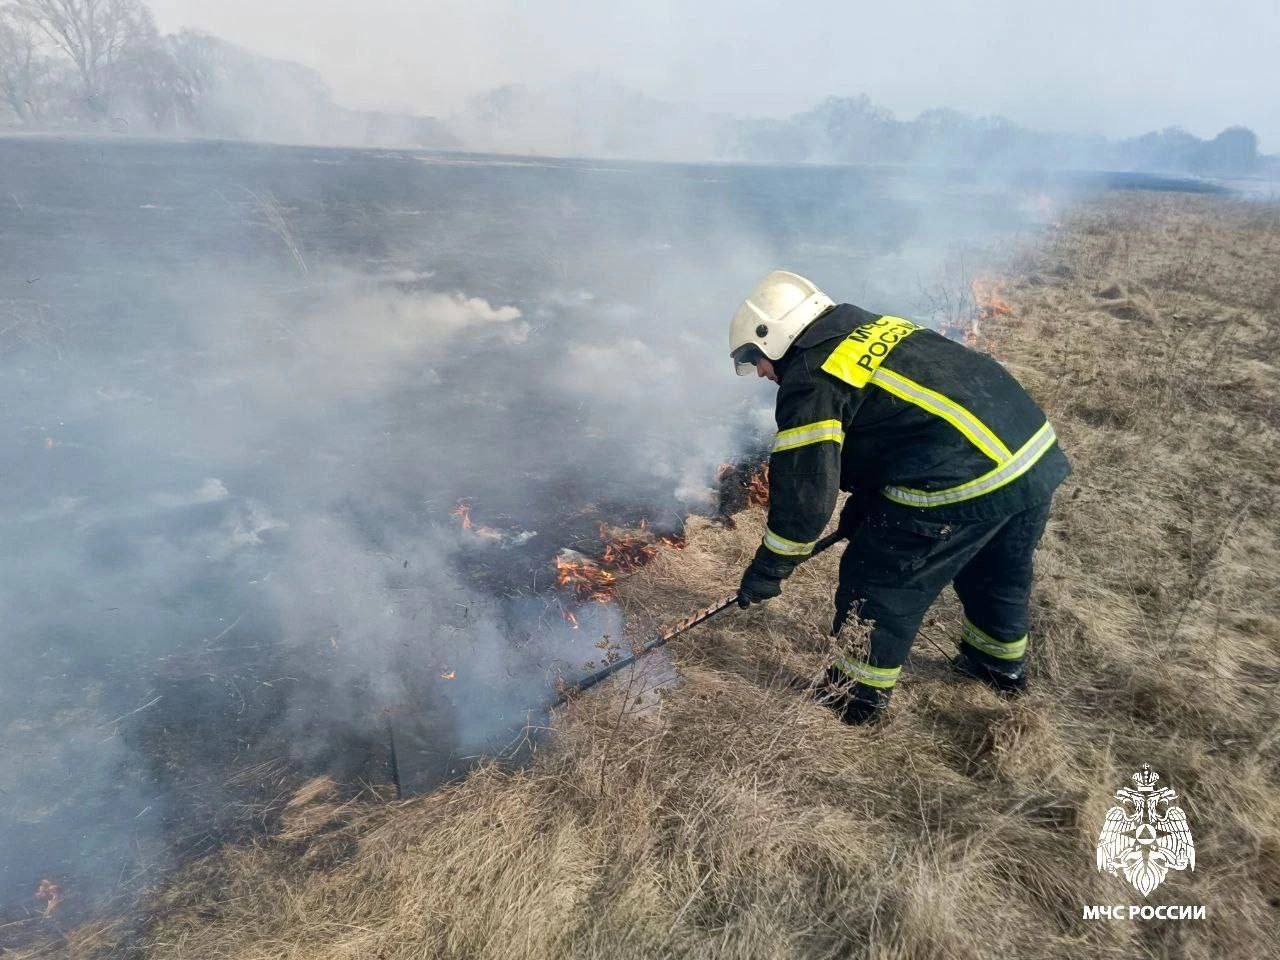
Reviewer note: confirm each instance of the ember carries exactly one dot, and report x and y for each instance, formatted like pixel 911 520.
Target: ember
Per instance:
pixel 451 675
pixel 758 487
pixel 742 484
pixel 627 551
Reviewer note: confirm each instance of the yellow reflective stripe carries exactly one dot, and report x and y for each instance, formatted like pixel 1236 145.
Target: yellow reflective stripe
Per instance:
pixel 977 432
pixel 864 673
pixel 857 361
pixel 860 354
pixel 817 432
pixel 785 547
pixel 1000 649
pixel 1028 456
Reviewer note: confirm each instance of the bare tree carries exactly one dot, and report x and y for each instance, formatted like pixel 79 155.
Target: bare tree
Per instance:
pixel 196 65
pixel 97 36
pixel 23 65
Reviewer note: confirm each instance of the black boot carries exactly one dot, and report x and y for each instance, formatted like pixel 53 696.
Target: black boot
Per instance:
pixel 1010 680
pixel 854 703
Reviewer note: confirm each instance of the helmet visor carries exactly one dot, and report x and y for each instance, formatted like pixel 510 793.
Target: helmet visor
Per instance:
pixel 745 357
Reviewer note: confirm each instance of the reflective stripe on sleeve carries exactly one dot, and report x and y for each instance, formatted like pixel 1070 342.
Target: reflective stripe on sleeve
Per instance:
pixel 818 432
pixel 785 547
pixel 880 677
pixel 977 432
pixel 1000 649
pixel 1018 464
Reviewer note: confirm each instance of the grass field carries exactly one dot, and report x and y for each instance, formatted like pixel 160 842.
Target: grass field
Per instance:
pixel 739 819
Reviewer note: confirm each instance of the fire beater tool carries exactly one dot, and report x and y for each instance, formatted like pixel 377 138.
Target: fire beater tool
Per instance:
pixel 688 623
pixel 423 753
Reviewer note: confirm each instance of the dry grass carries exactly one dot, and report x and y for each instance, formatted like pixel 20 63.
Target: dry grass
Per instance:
pixel 742 820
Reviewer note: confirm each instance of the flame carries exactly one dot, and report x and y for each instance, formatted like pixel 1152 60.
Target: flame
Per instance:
pixel 585 580
pixel 626 551
pixel 988 304
pixel 451 675
pixel 988 298
pixel 51 895
pixel 1045 209
pixel 596 580
pixel 758 487
pixel 570 618
pixel 463 510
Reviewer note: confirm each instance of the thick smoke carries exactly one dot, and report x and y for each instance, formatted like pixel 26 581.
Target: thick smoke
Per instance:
pixel 245 389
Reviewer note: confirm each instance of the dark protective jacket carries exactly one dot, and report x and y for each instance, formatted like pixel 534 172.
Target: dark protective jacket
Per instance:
pixel 894 411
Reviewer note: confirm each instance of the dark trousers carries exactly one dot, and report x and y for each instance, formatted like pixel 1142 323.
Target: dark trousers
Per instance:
pixel 896 563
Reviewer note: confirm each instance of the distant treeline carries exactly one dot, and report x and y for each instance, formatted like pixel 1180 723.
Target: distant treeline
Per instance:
pixel 102 65
pixel 594 117
pixel 853 129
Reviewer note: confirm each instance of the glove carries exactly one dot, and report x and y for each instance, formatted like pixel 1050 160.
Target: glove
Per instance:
pixel 757 587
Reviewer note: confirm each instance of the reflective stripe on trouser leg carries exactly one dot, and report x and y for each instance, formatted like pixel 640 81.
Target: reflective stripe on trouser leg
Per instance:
pixel 1000 649
pixel 994 587
pixel 881 678
pixel 879 595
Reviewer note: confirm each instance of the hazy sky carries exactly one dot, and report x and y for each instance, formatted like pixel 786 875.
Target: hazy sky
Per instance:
pixel 1108 66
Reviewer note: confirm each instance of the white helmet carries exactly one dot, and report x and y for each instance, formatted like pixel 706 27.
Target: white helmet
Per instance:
pixel 778 310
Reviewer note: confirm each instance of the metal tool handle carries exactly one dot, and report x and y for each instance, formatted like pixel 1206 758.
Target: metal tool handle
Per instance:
pixel 688 623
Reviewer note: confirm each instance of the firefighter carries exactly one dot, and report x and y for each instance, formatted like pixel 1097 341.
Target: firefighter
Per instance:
pixel 950 466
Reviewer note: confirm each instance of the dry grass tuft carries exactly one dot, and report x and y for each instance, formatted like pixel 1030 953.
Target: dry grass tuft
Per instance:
pixel 739 819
